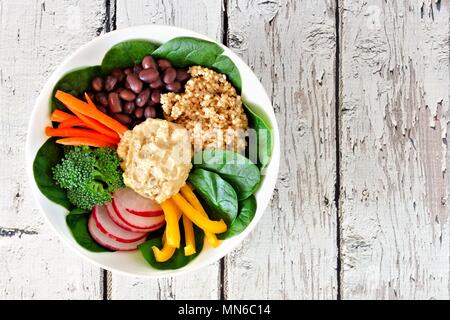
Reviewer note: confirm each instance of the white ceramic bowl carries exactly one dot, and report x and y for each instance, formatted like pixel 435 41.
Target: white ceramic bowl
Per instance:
pixel 132 263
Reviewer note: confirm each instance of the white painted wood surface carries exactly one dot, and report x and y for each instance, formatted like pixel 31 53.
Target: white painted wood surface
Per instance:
pixel 394 178
pixel 393 118
pixel 35 36
pixel 292 254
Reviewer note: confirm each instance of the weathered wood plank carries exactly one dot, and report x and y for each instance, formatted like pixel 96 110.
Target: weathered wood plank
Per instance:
pixel 205 17
pixel 290 45
pixel 394 120
pixel 34 38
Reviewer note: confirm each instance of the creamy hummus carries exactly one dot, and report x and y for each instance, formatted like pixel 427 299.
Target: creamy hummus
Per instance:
pixel 156 158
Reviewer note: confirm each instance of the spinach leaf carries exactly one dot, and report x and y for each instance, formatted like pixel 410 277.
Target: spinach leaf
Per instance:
pixel 264 136
pixel 46 158
pixel 186 51
pixel 247 210
pixel 236 169
pixel 76 83
pixel 178 259
pixel 225 65
pixel 218 194
pixel 77 220
pixel 126 54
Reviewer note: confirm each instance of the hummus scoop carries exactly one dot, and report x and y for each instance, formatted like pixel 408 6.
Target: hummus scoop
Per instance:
pixel 156 158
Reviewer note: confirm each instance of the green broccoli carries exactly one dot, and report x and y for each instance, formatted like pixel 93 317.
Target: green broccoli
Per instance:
pixel 90 175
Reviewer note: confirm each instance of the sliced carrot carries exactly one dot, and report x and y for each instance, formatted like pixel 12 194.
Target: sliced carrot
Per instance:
pixel 83 141
pixel 76 132
pixel 78 106
pixel 75 122
pixel 60 116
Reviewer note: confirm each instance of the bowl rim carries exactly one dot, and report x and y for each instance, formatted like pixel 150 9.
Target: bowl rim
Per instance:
pixel 75 247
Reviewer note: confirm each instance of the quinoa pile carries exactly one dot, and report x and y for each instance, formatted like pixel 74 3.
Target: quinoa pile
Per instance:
pixel 210 109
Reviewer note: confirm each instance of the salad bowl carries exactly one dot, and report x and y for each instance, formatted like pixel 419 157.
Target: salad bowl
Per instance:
pixel 132 263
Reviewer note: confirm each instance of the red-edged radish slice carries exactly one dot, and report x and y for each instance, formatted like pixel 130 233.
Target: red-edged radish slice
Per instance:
pixel 107 242
pixel 112 230
pixel 136 204
pixel 112 213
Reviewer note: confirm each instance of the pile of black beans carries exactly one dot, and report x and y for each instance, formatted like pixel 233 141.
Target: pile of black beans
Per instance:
pixel 132 95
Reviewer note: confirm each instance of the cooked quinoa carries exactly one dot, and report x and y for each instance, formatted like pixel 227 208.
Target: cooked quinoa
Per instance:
pixel 210 109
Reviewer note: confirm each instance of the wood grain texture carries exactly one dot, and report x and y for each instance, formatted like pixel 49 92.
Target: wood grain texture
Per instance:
pixel 203 16
pixel 292 254
pixel 394 178
pixel 35 36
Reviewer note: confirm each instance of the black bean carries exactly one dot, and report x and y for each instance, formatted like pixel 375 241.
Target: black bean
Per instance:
pixel 139 113
pixel 149 75
pixel 123 118
pixel 127 71
pixel 156 84
pixel 102 98
pixel 142 98
pixel 115 105
pixel 119 74
pixel 127 95
pixel 169 75
pixel 129 107
pixel 164 64
pixel 149 112
pixel 136 69
pixel 149 63
pixel 97 84
pixel 134 82
pixel 175 87
pixel 110 83
pixel 156 96
pixel 182 75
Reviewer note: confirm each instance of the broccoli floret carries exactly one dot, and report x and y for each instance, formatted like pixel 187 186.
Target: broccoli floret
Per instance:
pixel 89 175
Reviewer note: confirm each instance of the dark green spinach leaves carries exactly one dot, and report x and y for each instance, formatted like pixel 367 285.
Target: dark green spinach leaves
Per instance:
pixel 46 158
pixel 247 210
pixel 218 194
pixel 236 169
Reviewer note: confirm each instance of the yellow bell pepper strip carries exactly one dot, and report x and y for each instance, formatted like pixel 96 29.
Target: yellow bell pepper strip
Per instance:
pixel 165 253
pixel 189 237
pixel 172 228
pixel 189 195
pixel 197 218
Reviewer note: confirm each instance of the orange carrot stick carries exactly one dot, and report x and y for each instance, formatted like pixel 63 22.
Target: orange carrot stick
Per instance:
pixel 60 116
pixel 94 124
pixel 75 132
pixel 81 107
pixel 83 141
pixel 75 122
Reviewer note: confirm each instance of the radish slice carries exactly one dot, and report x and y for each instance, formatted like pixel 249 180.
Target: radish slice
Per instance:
pixel 115 218
pixel 109 243
pixel 133 222
pixel 136 204
pixel 112 230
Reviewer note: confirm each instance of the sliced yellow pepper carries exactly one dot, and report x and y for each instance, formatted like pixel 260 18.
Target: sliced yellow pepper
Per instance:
pixel 165 253
pixel 189 195
pixel 197 218
pixel 189 237
pixel 172 229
